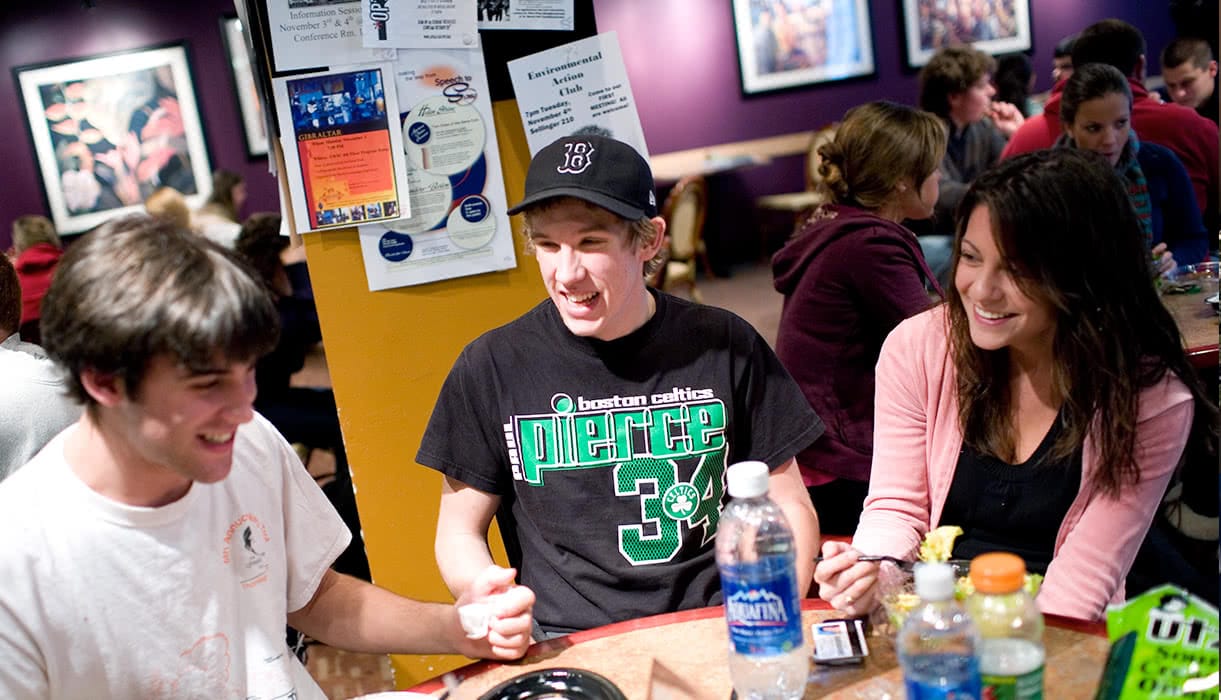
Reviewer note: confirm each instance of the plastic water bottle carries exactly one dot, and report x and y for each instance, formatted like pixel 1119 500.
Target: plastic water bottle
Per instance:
pixel 1010 628
pixel 938 643
pixel 757 560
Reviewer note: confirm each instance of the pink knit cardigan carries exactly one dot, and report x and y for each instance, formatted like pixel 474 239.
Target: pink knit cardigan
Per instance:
pixel 917 441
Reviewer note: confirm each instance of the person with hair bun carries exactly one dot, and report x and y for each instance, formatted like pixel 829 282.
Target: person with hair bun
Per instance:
pixel 850 274
pixel 167 204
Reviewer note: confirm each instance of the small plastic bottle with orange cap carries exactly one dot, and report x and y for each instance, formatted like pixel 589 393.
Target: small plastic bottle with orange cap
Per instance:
pixel 1011 653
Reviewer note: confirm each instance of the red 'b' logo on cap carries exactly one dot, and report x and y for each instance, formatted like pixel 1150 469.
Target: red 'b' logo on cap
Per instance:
pixel 577 157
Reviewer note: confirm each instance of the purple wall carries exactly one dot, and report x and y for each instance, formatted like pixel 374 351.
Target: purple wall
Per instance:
pixel 682 61
pixel 53 30
pixel 680 56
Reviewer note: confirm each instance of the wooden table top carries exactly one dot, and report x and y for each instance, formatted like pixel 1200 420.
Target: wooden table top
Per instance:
pixel 671 167
pixel 1198 323
pixel 693 644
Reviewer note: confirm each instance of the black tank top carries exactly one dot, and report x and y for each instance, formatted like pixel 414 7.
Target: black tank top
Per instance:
pixel 1014 508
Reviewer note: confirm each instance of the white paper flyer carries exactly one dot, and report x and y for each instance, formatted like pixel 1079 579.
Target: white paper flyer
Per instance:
pixel 419 24
pixel 458 224
pixel 577 88
pixel 343 149
pixel 318 34
pixel 554 15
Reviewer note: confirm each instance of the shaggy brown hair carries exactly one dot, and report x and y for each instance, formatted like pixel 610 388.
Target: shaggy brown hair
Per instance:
pixel 950 72
pixel 138 287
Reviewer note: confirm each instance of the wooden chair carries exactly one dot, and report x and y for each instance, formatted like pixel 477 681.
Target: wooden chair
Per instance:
pixel 790 206
pixel 684 211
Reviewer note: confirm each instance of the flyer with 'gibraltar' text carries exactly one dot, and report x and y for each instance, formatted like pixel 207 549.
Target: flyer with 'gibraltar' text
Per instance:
pixel 342 148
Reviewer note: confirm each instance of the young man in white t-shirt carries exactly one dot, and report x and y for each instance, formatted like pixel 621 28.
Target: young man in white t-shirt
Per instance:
pixel 157 547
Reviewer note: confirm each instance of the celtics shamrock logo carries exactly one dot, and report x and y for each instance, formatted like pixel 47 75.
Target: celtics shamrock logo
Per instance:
pixel 680 501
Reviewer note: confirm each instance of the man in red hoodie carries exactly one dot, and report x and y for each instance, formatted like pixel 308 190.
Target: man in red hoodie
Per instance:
pixel 1192 137
pixel 38 252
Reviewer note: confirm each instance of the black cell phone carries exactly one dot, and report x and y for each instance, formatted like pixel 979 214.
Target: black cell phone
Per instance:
pixel 839 642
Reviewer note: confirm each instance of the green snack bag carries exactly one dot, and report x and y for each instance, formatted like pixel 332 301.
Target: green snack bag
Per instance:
pixel 1163 645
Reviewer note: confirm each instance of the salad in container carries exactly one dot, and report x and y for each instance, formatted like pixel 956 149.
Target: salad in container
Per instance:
pixel 897 585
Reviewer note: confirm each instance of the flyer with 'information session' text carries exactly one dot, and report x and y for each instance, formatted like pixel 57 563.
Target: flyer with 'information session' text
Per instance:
pixel 309 34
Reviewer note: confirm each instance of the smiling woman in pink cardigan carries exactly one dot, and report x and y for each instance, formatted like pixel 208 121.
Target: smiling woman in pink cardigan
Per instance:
pixel 1044 407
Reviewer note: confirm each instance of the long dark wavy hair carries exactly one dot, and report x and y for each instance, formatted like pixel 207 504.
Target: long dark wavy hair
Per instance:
pixel 1064 223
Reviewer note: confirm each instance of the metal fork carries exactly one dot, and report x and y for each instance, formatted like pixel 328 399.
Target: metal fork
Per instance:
pixel 903 564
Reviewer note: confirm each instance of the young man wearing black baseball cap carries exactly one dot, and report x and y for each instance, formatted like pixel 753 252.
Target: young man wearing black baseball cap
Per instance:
pixel 598 426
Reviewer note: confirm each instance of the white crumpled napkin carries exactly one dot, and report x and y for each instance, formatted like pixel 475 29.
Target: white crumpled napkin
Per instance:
pixel 475 619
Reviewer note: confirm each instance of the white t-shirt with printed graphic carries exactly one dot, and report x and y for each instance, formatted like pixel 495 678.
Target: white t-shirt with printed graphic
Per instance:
pixel 104 600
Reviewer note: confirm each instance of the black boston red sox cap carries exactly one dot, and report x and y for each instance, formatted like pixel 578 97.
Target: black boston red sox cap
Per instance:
pixel 596 169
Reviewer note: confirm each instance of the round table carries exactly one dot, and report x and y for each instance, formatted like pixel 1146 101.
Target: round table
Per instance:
pixel 692 646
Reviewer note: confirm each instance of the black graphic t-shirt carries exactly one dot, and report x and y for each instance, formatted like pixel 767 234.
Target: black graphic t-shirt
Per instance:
pixel 609 457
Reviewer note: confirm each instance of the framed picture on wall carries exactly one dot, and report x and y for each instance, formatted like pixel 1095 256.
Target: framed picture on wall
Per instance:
pixel 993 26
pixel 784 44
pixel 254 124
pixel 109 130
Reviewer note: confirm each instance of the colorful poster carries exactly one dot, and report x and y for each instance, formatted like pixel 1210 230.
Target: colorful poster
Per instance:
pixel 553 15
pixel 418 24
pixel 577 88
pixel 458 224
pixel 109 130
pixel 801 42
pixel 318 34
pixel 341 148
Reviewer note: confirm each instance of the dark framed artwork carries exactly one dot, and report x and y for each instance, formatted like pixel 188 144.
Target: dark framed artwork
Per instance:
pixel 992 26
pixel 250 107
pixel 785 44
pixel 109 130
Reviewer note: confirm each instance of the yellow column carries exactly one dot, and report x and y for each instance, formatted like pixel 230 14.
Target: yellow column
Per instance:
pixel 388 353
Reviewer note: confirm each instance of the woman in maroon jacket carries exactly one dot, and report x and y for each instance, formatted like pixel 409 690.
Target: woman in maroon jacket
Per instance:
pixel 849 276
